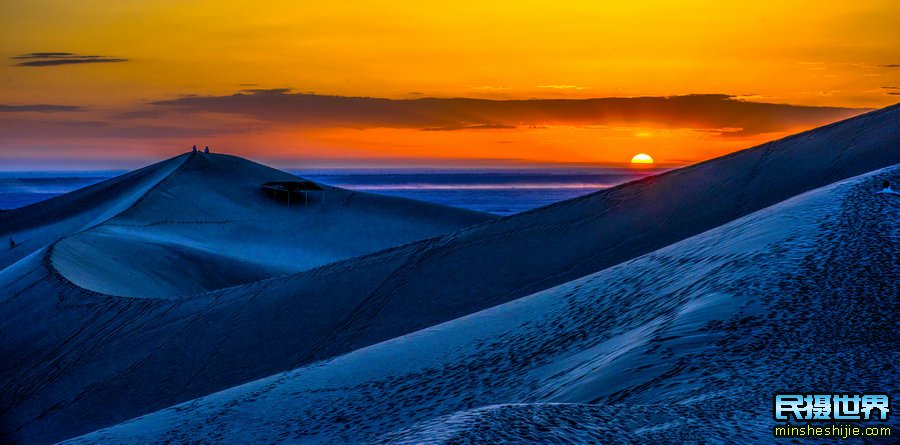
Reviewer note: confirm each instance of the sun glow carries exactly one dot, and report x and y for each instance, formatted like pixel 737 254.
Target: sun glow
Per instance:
pixel 641 158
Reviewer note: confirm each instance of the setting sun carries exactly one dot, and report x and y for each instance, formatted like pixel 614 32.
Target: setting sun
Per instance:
pixel 641 158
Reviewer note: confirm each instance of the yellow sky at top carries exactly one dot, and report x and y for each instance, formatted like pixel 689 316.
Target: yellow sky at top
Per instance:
pixel 806 52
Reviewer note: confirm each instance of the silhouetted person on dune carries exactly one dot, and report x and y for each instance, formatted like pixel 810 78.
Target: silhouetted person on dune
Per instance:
pixel 206 149
pixel 195 149
pixel 12 244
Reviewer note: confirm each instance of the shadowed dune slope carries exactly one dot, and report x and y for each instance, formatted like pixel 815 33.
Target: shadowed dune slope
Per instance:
pixel 83 360
pixel 684 344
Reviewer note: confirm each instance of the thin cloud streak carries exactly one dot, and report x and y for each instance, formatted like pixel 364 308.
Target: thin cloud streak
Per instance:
pixel 39 108
pixel 42 59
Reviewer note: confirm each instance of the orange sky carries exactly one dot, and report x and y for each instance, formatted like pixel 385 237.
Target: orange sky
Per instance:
pixel 131 103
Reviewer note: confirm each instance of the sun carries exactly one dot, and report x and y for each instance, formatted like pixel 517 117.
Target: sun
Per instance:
pixel 641 158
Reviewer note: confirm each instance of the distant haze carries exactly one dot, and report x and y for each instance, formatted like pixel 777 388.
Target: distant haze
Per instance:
pixel 498 191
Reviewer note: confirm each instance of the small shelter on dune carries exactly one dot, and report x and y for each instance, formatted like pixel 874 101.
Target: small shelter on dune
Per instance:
pixel 291 191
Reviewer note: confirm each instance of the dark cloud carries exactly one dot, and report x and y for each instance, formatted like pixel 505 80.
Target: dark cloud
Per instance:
pixel 54 59
pixel 893 93
pixel 261 91
pixel 891 88
pixel 891 65
pixel 701 111
pixel 38 108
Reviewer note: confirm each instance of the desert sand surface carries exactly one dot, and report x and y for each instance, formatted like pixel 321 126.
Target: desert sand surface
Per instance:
pixel 672 346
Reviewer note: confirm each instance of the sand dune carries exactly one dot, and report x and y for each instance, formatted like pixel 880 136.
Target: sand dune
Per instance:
pixel 203 223
pixel 80 359
pixel 681 344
